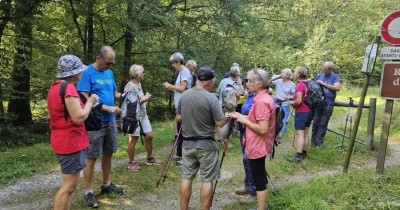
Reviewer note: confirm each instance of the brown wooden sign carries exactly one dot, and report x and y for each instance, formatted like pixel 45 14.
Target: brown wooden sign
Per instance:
pixel 390 80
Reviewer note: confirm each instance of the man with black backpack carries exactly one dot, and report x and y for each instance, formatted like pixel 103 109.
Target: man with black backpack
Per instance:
pixel 98 79
pixel 330 83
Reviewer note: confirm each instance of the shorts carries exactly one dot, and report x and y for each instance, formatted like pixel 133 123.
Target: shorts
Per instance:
pixel 302 120
pixel 103 141
pixel 205 161
pixel 146 126
pixel 72 163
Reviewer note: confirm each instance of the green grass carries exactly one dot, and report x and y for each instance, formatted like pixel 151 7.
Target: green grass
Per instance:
pixel 358 189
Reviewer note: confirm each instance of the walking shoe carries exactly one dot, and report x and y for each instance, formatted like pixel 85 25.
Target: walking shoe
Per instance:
pixel 176 157
pixel 241 191
pixel 153 161
pixel 248 199
pixel 91 200
pixel 179 162
pixel 112 189
pixel 296 158
pixel 134 166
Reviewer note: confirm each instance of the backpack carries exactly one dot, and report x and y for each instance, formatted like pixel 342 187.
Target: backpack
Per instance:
pixel 228 98
pixel 92 122
pixel 130 107
pixel 279 116
pixel 314 95
pixel 194 79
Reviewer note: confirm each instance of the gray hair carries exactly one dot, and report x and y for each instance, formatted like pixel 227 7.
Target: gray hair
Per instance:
pixel 287 71
pixel 105 50
pixel 135 70
pixel 177 58
pixel 328 64
pixel 191 63
pixel 235 71
pixel 259 74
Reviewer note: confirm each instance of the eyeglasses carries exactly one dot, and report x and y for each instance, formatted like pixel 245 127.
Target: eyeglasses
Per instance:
pixel 107 63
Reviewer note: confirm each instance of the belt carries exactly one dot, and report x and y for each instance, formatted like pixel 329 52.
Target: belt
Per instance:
pixel 195 138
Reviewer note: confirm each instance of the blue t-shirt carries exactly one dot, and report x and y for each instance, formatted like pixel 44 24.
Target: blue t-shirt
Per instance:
pixel 333 78
pixel 94 81
pixel 248 103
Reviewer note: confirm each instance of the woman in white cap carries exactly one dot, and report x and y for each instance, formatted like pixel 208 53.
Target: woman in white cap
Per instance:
pixel 68 137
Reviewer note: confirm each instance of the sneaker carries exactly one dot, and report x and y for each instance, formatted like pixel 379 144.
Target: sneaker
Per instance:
pixel 91 201
pixel 296 158
pixel 176 157
pixel 179 162
pixel 134 166
pixel 153 161
pixel 112 189
pixel 248 199
pixel 241 191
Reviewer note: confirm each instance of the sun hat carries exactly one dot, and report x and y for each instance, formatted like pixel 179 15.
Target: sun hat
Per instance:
pixel 69 65
pixel 205 74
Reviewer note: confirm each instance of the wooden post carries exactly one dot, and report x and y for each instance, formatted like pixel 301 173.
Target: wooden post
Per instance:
pixel 371 124
pixel 387 117
pixel 358 115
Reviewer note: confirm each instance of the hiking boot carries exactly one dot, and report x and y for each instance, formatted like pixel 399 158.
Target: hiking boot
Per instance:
pixel 134 166
pixel 248 199
pixel 112 189
pixel 91 201
pixel 176 157
pixel 241 191
pixel 296 158
pixel 153 161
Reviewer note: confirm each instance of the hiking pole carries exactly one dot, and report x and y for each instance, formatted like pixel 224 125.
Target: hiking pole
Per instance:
pixel 347 119
pixel 169 160
pixel 223 155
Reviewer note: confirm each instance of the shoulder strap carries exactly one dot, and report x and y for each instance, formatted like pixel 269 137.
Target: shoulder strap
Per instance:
pixel 63 87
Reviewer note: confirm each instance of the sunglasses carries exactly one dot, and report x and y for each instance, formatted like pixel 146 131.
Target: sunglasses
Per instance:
pixel 107 63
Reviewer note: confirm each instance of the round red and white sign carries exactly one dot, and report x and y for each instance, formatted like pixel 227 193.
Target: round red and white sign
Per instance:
pixel 390 28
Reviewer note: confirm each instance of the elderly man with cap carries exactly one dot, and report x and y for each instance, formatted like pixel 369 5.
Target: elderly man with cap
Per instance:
pixel 182 83
pixel 199 112
pixel 68 134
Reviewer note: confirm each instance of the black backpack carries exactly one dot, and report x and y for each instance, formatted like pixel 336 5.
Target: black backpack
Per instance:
pixel 93 122
pixel 315 95
pixel 130 108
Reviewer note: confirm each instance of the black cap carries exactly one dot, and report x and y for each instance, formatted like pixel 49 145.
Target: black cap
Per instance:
pixel 205 73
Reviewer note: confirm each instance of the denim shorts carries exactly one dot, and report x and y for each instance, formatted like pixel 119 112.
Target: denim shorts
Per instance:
pixel 72 163
pixel 103 141
pixel 302 120
pixel 205 161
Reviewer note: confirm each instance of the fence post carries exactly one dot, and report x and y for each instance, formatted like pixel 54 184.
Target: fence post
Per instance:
pixel 371 124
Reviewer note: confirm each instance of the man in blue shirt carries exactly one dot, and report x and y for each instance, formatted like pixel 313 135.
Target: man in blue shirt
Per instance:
pixel 330 83
pixel 98 79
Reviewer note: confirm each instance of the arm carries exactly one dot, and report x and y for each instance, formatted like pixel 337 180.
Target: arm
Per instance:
pixel 77 114
pixel 112 109
pixel 179 89
pixel 335 87
pixel 178 118
pixel 117 94
pixel 145 98
pixel 298 100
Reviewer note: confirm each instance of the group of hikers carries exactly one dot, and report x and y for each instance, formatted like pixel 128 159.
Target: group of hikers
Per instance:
pixel 200 121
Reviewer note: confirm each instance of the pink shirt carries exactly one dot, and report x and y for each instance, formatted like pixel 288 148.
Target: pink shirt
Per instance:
pixel 263 108
pixel 301 87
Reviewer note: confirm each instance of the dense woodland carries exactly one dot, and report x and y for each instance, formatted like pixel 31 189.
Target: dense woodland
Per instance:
pixel 272 34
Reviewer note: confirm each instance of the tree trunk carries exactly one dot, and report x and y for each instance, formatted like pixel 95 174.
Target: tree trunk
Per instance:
pixel 90 31
pixel 19 106
pixel 128 43
pixel 5 9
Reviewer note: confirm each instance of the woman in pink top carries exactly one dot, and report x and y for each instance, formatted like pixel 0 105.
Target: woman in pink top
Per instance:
pixel 303 115
pixel 68 137
pixel 259 132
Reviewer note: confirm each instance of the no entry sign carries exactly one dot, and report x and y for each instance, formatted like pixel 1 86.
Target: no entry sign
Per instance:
pixel 390 28
pixel 390 80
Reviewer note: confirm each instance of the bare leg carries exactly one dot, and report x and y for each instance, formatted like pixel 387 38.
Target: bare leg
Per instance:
pixel 88 173
pixel 185 193
pixel 131 147
pixel 68 186
pixel 106 168
pixel 149 144
pixel 306 139
pixel 261 199
pixel 300 140
pixel 206 195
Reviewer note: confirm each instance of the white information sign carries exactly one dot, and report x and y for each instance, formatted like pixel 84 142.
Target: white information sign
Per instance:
pixel 390 53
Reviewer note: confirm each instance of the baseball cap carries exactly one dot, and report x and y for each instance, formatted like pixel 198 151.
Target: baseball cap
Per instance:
pixel 206 73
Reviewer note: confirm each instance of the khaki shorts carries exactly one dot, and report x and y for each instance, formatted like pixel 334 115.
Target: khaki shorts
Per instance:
pixel 205 161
